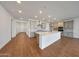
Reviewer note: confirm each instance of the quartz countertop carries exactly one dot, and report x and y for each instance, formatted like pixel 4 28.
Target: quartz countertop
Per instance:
pixel 46 33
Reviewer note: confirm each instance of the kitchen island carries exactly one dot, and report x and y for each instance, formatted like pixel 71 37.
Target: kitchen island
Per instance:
pixel 47 38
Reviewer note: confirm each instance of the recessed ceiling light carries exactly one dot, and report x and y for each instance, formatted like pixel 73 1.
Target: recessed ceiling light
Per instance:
pixel 20 11
pixel 41 11
pixel 18 1
pixel 36 16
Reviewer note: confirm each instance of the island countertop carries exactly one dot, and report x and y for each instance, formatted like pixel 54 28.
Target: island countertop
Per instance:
pixel 46 33
pixel 48 38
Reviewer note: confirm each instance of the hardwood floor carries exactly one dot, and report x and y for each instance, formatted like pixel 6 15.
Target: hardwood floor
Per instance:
pixel 22 45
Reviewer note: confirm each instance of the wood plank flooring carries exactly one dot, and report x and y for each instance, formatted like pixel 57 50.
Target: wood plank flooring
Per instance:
pixel 23 46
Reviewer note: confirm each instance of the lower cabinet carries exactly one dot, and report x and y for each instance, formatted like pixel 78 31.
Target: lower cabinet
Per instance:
pixel 68 34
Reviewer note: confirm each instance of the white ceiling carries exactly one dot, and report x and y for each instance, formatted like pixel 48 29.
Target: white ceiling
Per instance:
pixel 59 10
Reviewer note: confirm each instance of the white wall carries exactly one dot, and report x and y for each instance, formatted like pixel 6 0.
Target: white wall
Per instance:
pixel 13 28
pixel 5 27
pixel 16 27
pixel 26 26
pixel 20 26
pixel 76 28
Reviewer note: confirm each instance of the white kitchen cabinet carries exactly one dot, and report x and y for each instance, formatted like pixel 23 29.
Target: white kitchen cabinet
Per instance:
pixel 68 28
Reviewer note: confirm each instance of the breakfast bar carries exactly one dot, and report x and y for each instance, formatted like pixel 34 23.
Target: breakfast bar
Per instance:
pixel 48 38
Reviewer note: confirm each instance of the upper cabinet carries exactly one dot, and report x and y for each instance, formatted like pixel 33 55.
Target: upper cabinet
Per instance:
pixel 68 25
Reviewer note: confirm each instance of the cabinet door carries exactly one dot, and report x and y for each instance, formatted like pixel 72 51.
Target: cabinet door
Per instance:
pixel 68 28
pixel 68 25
